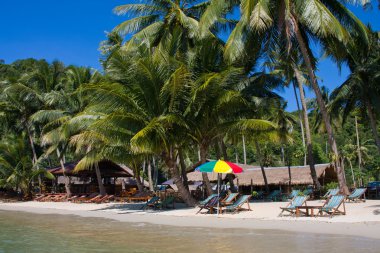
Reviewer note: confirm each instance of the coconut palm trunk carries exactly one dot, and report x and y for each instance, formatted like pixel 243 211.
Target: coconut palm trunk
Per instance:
pixel 150 180
pixel 229 176
pixel 305 53
pixel 206 181
pixel 373 124
pixel 67 179
pixel 309 145
pixel 139 184
pixel 301 123
pixel 262 166
pixel 183 169
pixel 171 163
pixel 102 190
pixel 34 153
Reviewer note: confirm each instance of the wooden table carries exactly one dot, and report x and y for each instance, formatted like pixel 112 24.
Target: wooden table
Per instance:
pixel 307 208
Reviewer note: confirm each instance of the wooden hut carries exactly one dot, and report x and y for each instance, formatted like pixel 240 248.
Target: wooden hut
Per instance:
pixel 85 181
pixel 278 177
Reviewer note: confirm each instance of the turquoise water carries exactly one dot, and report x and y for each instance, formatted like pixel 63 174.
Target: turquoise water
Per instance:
pixel 25 232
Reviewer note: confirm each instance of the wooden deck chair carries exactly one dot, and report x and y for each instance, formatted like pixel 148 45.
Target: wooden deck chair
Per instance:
pixel 332 205
pixel 38 198
pixel 96 198
pixel 274 195
pixel 60 198
pixel 308 192
pixel 169 201
pixel 237 206
pixel 206 200
pixel 293 194
pixel 85 197
pixel 104 199
pixel 330 192
pixel 357 195
pixel 151 203
pixel 229 200
pixel 293 204
pixel 212 201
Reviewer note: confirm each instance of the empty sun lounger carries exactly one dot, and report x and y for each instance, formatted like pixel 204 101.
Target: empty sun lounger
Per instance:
pixel 308 192
pixel 166 203
pixel 357 195
pixel 103 199
pixel 210 204
pixel 84 198
pixel 330 192
pixel 296 202
pixel 274 195
pixel 293 194
pixel 237 206
pixel 151 203
pixel 229 199
pixel 206 200
pixel 332 205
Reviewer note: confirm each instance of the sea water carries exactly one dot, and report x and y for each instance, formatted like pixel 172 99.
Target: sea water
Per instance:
pixel 26 232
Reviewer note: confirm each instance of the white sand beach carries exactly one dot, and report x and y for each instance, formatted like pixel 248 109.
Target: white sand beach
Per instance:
pixel 362 219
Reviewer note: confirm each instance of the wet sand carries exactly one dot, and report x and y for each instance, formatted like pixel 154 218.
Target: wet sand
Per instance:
pixel 362 219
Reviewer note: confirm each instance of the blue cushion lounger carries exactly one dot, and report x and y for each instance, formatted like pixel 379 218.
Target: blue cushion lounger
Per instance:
pixel 237 206
pixel 296 201
pixel 331 192
pixel 332 205
pixel 151 202
pixel 308 192
pixel 357 195
pixel 293 194
pixel 274 195
pixel 230 199
pixel 206 202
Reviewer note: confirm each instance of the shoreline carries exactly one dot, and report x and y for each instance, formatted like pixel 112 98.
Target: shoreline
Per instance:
pixel 368 227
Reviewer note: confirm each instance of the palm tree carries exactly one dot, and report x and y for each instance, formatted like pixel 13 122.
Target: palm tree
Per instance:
pixel 16 171
pixel 170 25
pixel 60 107
pixel 328 21
pixel 360 91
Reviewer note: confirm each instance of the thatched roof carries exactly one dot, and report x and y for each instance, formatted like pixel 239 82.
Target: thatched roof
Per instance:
pixel 107 169
pixel 280 175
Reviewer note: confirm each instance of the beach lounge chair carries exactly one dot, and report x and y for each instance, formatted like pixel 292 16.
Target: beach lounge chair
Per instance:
pixel 237 206
pixel 330 192
pixel 169 201
pixel 308 192
pixel 229 200
pixel 39 197
pixel 332 205
pixel 295 202
pixel 151 203
pixel 293 194
pixel 104 199
pixel 210 202
pixel 357 195
pixel 274 195
pixel 85 198
pixel 96 198
pixel 206 200
pixel 140 196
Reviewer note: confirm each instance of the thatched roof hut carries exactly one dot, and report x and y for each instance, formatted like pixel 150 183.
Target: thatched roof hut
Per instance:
pixel 252 175
pixel 107 169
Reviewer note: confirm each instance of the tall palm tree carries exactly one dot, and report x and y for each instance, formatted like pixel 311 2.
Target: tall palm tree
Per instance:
pixel 327 21
pixel 360 91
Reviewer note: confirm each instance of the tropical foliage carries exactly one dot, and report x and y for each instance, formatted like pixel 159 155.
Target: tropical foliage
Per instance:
pixel 173 93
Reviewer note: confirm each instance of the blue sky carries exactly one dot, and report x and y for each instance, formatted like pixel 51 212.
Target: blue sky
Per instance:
pixel 71 30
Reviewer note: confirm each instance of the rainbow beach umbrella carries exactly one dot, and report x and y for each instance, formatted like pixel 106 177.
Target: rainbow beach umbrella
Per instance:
pixel 219 166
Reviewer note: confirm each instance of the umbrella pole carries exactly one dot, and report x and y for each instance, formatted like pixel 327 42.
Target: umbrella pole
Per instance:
pixel 218 193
